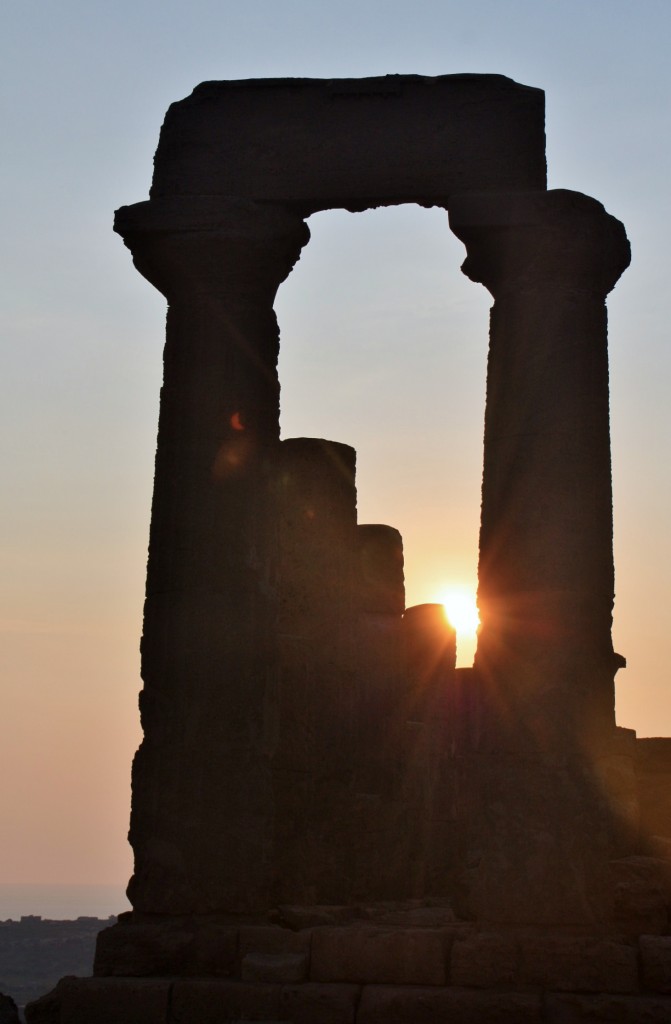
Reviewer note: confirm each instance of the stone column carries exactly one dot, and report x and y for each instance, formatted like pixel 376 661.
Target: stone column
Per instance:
pixel 537 849
pixel 430 659
pixel 382 698
pixel 546 555
pixel 317 722
pixel 201 823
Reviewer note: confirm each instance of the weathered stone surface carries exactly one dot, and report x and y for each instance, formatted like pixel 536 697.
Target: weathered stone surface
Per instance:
pixel 274 967
pixel 393 1005
pixel 380 596
pixel 414 917
pixel 660 847
pixel 319 1004
pixel 143 949
pixel 214 950
pixel 272 939
pixel 547 591
pixel 607 1009
pixel 353 142
pixel 211 1002
pixel 525 835
pixel 546 581
pixel 656 962
pixel 653 770
pixel 210 613
pixel 485 960
pixel 615 774
pixel 315 835
pixel 381 584
pixel 412 956
pixel 298 917
pixel 641 894
pixel 430 657
pixel 103 1001
pixel 566 963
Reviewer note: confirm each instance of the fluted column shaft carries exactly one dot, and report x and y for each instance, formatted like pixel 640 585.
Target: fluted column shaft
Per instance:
pixel 537 835
pixel 202 807
pixel 546 556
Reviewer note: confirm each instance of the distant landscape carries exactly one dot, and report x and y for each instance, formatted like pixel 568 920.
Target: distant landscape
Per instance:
pixel 35 953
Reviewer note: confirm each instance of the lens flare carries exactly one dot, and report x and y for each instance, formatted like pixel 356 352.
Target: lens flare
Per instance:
pixel 461 610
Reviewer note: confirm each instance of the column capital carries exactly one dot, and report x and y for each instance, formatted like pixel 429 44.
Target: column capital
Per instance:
pixel 521 240
pixel 190 244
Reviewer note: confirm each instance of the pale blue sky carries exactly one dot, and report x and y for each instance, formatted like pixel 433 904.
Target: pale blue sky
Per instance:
pixel 384 345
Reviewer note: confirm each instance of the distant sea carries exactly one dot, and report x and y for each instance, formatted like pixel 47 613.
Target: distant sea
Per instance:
pixel 61 902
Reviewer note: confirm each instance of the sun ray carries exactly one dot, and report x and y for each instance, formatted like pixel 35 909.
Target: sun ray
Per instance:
pixel 461 611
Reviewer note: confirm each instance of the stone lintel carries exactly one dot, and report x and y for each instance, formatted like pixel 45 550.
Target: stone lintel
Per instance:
pixel 353 143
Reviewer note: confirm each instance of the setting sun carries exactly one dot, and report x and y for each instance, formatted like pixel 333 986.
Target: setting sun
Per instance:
pixel 461 610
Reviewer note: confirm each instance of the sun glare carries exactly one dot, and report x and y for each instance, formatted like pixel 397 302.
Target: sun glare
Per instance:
pixel 461 611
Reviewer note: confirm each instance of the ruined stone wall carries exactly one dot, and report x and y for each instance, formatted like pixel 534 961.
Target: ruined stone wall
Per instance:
pixel 369 973
pixel 361 701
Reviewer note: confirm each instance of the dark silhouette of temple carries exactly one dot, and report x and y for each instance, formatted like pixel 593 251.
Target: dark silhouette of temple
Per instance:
pixel 331 824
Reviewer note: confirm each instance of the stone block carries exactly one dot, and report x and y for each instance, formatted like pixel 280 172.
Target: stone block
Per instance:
pixel 410 956
pixel 417 917
pixel 528 864
pixel 381 586
pixel 641 894
pixel 405 1005
pixel 568 963
pixel 616 777
pixel 484 960
pixel 327 1004
pixel 140 950
pixel 607 1009
pixel 274 967
pixel 298 918
pixel 103 1001
pixel 352 142
pixel 655 953
pixel 272 939
pixel 210 1001
pixel 660 848
pixel 214 951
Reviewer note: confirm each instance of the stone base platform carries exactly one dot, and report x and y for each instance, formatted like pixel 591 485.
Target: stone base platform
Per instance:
pixel 431 971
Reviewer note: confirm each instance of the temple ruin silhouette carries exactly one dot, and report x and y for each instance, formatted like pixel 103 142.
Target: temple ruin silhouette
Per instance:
pixel 331 823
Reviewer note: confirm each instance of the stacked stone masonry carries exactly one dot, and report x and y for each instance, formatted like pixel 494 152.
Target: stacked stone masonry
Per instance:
pixel 366 973
pixel 330 822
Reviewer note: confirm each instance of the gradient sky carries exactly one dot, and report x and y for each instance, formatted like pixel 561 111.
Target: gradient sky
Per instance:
pixel 383 347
